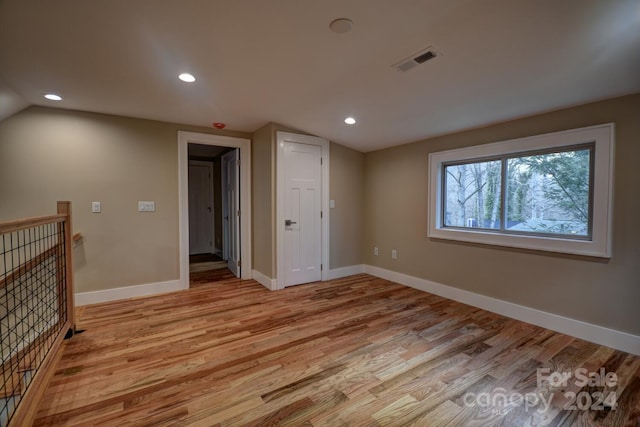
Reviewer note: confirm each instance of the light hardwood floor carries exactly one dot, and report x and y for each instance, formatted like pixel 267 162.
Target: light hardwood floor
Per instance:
pixel 358 351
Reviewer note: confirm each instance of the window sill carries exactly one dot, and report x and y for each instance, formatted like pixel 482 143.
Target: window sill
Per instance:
pixel 537 243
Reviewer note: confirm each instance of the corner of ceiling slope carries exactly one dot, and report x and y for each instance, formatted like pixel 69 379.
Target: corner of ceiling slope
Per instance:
pixel 11 102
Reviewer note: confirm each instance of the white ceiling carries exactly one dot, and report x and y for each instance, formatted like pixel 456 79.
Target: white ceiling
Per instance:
pixel 258 61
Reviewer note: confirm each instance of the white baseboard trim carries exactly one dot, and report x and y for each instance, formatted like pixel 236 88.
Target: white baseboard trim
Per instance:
pixel 264 280
pixel 95 297
pixel 576 328
pixel 338 273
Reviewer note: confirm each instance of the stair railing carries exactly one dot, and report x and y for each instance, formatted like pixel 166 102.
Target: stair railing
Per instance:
pixel 36 309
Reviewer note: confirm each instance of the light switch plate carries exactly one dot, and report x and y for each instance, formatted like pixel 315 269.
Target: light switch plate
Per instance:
pixel 146 206
pixel 96 207
pixel 332 204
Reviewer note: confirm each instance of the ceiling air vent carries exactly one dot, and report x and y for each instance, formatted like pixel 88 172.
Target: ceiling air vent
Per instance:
pixel 416 59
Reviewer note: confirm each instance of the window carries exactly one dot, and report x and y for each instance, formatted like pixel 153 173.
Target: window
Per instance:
pixel 550 192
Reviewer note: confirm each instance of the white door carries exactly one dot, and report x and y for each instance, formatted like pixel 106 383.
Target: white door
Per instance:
pixel 302 212
pixel 200 208
pixel 231 210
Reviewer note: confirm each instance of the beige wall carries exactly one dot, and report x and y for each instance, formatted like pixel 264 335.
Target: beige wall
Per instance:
pixel 262 201
pixel 50 154
pixel 597 291
pixel 346 189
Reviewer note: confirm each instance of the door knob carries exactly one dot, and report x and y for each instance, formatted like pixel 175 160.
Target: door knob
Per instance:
pixel 288 222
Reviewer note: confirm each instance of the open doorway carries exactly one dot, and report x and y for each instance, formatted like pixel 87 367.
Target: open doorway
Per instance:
pixel 224 234
pixel 213 240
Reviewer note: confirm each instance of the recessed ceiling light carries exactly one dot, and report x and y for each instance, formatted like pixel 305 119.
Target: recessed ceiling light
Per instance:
pixel 186 77
pixel 341 25
pixel 53 97
pixel 350 121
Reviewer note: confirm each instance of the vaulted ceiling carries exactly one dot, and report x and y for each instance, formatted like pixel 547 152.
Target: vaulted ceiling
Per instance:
pixel 257 61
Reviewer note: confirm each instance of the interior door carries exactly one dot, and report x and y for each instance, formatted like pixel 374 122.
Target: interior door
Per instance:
pixel 200 208
pixel 231 209
pixel 302 209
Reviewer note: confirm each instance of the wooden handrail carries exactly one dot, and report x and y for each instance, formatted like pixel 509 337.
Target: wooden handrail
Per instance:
pixel 21 224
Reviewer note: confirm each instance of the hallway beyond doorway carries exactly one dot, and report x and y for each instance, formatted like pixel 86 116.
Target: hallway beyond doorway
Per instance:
pixel 207 268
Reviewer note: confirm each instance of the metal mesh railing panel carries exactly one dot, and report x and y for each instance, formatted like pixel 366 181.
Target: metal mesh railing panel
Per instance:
pixel 32 306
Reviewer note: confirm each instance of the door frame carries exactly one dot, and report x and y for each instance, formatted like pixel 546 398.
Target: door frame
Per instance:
pixel 281 138
pixel 209 165
pixel 184 139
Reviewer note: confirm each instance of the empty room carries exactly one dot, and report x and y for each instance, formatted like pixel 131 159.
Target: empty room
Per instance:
pixel 320 213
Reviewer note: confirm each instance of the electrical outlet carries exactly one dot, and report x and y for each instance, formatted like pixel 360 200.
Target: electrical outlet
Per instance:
pixel 96 207
pixel 375 250
pixel 394 254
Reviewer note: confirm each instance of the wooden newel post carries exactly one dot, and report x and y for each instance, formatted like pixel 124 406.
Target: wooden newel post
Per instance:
pixel 64 208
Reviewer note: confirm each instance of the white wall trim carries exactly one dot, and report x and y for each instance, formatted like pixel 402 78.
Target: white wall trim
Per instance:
pixel 184 138
pixel 265 281
pixel 576 328
pixel 338 273
pixel 282 137
pixel 95 297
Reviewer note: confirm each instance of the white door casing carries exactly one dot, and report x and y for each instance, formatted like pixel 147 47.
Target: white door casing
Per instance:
pixel 184 138
pixel 231 210
pixel 201 229
pixel 302 198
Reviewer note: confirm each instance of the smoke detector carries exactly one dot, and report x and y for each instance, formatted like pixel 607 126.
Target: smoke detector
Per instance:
pixel 416 59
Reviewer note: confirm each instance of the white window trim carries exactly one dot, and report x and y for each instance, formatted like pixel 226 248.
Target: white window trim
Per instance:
pixel 600 243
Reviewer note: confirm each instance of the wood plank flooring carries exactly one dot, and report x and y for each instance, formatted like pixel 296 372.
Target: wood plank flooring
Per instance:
pixel 206 277
pixel 359 351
